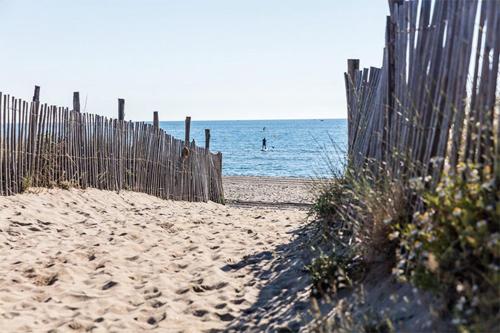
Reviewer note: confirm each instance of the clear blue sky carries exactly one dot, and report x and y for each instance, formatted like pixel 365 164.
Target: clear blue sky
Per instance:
pixel 211 59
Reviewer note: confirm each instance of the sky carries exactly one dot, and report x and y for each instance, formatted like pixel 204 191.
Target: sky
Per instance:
pixel 209 59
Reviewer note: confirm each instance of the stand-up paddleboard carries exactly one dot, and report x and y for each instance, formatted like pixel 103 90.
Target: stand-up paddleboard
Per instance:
pixel 264 146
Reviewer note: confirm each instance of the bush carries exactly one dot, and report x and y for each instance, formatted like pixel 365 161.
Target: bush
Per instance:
pixel 443 238
pixel 453 247
pixel 329 197
pixel 358 213
pixel 330 273
pixel 355 215
pixel 27 182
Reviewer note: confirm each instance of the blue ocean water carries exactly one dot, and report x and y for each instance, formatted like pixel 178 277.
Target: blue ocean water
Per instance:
pixel 296 148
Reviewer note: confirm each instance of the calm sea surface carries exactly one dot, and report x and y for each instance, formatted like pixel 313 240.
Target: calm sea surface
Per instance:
pixel 296 148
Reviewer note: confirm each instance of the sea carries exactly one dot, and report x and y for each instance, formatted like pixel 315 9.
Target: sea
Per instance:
pixel 313 148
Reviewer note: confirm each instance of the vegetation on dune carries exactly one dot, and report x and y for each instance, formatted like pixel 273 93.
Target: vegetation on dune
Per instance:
pixel 418 203
pixel 452 247
pixel 443 239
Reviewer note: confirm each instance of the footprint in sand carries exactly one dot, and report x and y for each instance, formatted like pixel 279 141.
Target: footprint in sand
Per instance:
pixel 109 285
pixel 45 280
pixel 219 285
pixel 199 313
pixel 238 301
pixel 153 320
pixel 157 304
pixel 198 289
pixel 152 292
pixel 225 316
pixel 181 291
pixel 250 283
pixel 192 248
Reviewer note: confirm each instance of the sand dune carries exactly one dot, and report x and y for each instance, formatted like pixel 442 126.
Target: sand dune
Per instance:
pixel 101 261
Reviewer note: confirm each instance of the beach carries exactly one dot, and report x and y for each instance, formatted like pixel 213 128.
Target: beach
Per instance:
pixel 241 166
pixel 101 261
pixel 278 191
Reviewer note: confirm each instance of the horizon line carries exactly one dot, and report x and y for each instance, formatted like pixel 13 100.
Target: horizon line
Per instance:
pixel 278 119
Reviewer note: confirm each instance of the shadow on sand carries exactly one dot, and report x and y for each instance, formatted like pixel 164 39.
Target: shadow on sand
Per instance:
pixel 283 301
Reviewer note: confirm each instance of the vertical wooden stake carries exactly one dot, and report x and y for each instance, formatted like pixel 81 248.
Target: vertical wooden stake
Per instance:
pixel 156 122
pixel 32 129
pixel 121 109
pixel 352 68
pixel 188 131
pixel 391 76
pixel 36 95
pixel 76 101
pixel 207 139
pixel 219 155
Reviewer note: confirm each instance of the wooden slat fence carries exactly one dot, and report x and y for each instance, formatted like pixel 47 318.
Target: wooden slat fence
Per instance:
pixel 434 99
pixel 44 146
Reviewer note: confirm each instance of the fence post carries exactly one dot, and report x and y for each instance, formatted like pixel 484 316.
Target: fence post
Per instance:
pixel 187 131
pixel 352 69
pixel 36 94
pixel 79 131
pixel 32 130
pixel 156 122
pixel 76 101
pixel 219 154
pixel 389 107
pixel 207 139
pixel 119 126
pixel 220 188
pixel 121 109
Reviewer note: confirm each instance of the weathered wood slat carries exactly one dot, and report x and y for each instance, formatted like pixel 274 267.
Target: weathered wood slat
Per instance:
pixel 419 111
pixel 44 145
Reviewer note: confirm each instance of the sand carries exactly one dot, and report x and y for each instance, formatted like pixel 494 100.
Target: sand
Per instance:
pixel 100 261
pixel 274 190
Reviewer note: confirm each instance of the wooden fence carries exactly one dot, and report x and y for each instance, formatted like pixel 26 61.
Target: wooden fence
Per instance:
pixel 434 99
pixel 43 145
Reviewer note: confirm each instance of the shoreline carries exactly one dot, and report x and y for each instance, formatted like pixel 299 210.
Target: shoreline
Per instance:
pixel 305 180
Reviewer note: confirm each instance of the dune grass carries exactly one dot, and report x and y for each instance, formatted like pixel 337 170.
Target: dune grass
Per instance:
pixel 441 239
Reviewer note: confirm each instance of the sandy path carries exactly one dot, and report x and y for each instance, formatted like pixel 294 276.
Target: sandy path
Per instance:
pixel 276 190
pixel 101 261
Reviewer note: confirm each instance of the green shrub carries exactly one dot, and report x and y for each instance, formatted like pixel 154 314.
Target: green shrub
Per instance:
pixel 27 182
pixel 358 212
pixel 355 214
pixel 329 197
pixel 453 247
pixel 330 273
